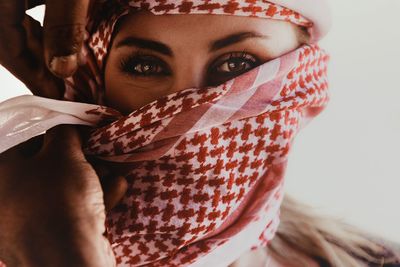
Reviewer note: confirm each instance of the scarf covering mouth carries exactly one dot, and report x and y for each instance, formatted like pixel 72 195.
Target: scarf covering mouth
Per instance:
pixel 206 165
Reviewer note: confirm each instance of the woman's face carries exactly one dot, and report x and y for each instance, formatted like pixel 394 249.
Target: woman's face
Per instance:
pixel 153 56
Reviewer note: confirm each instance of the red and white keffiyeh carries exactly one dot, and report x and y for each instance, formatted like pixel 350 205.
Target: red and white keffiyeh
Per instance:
pixel 206 181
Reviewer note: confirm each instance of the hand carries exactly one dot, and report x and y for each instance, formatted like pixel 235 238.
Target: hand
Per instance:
pixel 51 203
pixel 29 52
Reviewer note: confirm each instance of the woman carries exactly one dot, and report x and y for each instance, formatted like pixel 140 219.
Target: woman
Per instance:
pixel 210 130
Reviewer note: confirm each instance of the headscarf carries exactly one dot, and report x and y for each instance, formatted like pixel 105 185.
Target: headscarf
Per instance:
pixel 207 164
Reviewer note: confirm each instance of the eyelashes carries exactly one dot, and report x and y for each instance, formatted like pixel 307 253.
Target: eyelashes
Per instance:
pixel 140 64
pixel 229 66
pixel 144 65
pixel 233 62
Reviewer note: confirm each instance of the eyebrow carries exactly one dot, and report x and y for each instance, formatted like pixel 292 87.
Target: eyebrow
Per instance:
pixel 235 38
pixel 164 49
pixel 146 44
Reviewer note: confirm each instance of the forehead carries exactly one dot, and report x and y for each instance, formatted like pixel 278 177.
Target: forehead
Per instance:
pixel 199 27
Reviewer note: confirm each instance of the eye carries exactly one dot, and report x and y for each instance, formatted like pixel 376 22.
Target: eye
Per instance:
pixel 229 66
pixel 144 65
pixel 235 64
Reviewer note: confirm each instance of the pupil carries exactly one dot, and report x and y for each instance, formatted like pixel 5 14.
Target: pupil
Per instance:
pixel 146 68
pixel 236 66
pixel 143 68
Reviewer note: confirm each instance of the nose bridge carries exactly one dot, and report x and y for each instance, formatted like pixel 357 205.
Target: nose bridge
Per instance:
pixel 189 74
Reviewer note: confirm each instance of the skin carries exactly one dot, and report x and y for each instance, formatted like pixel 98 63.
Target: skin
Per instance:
pixel 35 54
pixel 134 74
pixel 53 214
pixel 39 56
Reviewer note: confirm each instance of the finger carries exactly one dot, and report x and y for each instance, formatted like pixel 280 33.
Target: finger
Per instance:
pixel 11 11
pixel 109 257
pixel 41 80
pixel 64 31
pixel 114 189
pixel 65 140
pixel 16 56
pixel 8 258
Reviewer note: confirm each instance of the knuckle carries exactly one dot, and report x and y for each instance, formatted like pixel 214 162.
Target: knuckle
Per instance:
pixel 12 42
pixel 64 39
pixel 11 12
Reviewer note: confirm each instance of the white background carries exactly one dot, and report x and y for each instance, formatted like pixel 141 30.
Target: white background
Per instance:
pixel 347 162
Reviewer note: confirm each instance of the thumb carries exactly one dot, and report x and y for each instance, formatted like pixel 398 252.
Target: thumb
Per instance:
pixel 64 33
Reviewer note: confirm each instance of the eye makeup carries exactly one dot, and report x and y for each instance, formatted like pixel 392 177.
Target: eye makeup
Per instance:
pixel 229 66
pixel 140 64
pixel 147 66
pixel 233 62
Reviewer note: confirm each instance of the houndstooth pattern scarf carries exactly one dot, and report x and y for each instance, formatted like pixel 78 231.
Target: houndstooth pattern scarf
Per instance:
pixel 206 164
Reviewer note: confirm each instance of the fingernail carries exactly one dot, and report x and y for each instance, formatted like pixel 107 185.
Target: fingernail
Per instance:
pixel 64 66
